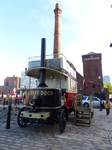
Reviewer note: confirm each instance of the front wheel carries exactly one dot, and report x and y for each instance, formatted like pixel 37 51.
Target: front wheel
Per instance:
pixel 20 120
pixel 62 121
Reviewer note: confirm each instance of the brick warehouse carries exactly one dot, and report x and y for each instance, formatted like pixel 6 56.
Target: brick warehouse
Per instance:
pixel 9 84
pixel 92 68
pixel 12 81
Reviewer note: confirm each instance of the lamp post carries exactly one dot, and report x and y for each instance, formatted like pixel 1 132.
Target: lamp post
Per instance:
pixel 36 83
pixel 111 43
pixel 99 77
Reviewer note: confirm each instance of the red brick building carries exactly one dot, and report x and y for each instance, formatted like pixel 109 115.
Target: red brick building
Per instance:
pixel 12 81
pixel 6 90
pixel 92 68
pixel 80 85
pixel 9 84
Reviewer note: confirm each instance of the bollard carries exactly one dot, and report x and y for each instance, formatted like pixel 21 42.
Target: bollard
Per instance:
pixel 4 104
pixel 8 117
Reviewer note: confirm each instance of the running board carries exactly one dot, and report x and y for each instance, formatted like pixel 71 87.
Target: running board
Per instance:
pixel 38 115
pixel 83 124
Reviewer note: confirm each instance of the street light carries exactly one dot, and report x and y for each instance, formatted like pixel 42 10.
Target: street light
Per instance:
pixel 111 45
pixel 99 77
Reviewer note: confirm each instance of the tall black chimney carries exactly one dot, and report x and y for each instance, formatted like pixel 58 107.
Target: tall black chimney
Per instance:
pixel 42 63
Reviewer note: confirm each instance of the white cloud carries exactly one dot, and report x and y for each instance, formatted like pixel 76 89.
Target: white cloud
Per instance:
pixel 11 65
pixel 71 8
pixel 95 34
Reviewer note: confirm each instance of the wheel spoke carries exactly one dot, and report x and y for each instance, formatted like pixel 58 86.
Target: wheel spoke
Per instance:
pixel 21 121
pixel 62 121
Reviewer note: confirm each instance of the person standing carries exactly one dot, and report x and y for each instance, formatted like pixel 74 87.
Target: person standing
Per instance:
pixel 107 106
pixel 16 100
pixel 24 100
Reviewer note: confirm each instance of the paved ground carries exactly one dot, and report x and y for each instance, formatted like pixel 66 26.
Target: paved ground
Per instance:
pixel 48 137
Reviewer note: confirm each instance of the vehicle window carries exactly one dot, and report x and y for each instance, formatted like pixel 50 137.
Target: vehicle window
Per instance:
pixel 95 99
pixel 88 97
pixel 84 98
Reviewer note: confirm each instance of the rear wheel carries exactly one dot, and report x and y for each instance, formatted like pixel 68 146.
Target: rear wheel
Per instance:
pixel 22 122
pixel 62 121
pixel 86 105
pixel 66 112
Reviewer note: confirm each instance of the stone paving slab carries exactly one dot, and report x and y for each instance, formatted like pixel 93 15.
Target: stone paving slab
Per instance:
pixel 48 137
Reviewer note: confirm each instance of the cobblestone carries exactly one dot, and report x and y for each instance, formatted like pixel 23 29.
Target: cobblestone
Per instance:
pixel 48 137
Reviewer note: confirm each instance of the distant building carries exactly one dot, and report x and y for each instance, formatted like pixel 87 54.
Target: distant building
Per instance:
pixel 6 90
pixel 12 81
pixel 106 79
pixel 9 84
pixel 28 82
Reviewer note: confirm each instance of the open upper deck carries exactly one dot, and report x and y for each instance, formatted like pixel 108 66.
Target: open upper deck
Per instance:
pixel 57 65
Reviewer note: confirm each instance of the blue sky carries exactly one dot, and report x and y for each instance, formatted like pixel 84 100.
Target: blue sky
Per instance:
pixel 86 26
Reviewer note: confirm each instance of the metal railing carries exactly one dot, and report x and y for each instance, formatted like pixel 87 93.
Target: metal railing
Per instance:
pixel 51 56
pixel 7 113
pixel 3 116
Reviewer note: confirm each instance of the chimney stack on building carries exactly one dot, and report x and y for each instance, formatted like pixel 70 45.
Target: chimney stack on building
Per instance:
pixel 57 32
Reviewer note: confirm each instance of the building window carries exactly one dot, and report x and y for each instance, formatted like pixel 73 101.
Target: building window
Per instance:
pixel 7 83
pixel 88 72
pixel 96 71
